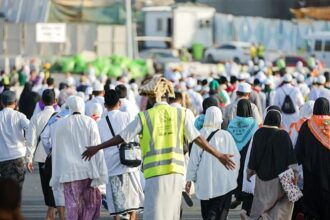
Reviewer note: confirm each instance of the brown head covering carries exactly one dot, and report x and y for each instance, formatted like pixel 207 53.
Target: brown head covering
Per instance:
pixel 157 87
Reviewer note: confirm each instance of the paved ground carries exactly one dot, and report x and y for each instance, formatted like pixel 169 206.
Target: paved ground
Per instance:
pixel 33 207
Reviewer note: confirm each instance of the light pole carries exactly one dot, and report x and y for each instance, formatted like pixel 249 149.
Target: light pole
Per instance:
pixel 129 31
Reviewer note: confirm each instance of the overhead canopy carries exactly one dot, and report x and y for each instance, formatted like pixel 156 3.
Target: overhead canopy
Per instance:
pixel 87 11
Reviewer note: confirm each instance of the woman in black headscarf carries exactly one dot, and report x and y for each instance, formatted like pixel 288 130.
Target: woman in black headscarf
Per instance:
pixel 276 108
pixel 313 152
pixel 273 107
pixel 271 154
pixel 28 100
pixel 242 128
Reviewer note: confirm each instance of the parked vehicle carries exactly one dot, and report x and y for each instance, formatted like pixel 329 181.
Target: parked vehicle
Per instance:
pixel 160 57
pixel 292 60
pixel 236 51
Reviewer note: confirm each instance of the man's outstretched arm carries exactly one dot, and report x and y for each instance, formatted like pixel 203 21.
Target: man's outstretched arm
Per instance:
pixel 225 159
pixel 92 150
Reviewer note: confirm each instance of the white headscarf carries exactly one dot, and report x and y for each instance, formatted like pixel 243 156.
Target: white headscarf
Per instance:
pixel 76 104
pixel 306 111
pixel 211 178
pixel 96 109
pixel 213 118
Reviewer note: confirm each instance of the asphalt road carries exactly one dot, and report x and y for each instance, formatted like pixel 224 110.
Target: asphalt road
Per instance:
pixel 33 207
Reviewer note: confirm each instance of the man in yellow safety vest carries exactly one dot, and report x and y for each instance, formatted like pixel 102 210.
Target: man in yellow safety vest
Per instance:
pixel 162 130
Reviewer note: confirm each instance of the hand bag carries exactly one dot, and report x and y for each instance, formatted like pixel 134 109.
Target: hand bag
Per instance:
pixel 290 189
pixel 129 153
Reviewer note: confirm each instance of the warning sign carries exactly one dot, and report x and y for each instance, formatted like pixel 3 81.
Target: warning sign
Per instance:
pixel 51 32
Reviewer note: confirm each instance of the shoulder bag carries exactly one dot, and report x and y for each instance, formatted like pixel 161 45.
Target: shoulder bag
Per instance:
pixel 129 153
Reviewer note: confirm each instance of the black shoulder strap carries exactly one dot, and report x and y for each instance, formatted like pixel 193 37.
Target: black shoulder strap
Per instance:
pixel 39 137
pixel 208 140
pixel 211 135
pixel 110 126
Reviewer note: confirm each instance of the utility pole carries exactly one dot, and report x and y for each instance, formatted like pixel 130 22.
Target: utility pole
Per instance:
pixel 129 31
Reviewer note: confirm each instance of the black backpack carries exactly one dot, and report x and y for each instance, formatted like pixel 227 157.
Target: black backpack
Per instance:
pixel 288 106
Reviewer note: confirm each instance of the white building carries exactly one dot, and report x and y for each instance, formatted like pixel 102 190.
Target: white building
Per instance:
pixel 183 24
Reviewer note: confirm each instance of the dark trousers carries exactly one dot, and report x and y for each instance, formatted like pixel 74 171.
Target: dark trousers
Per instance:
pixel 46 189
pixel 14 169
pixel 244 197
pixel 216 208
pixel 247 202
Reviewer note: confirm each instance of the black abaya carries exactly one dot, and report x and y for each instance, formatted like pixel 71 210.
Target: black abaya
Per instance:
pixel 271 153
pixel 28 103
pixel 315 159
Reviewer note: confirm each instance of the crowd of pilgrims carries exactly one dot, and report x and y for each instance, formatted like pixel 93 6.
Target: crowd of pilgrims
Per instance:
pixel 269 121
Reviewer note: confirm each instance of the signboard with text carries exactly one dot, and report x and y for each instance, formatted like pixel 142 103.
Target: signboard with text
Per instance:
pixel 51 32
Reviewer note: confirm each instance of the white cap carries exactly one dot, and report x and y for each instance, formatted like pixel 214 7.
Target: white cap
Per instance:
pixel 299 64
pixel 89 90
pixel 261 64
pixel 244 87
pixel 190 82
pixel 243 76
pixel 70 81
pixel 261 77
pixel 287 78
pixel 295 74
pixel 268 81
pixel 250 63
pixel 97 86
pixel 250 80
pixel 96 109
pixel 300 78
pixel 321 80
pixel 76 104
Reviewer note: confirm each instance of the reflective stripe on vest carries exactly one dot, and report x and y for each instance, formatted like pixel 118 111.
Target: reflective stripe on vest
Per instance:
pixel 164 159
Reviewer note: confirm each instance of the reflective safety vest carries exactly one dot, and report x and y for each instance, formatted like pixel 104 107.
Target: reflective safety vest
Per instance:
pixel 5 80
pixel 162 140
pixel 261 51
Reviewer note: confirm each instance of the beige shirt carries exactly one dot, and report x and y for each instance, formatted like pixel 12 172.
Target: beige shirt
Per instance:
pixel 230 113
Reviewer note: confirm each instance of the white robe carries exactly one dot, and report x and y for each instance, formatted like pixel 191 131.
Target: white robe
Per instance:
pixel 72 135
pixel 211 178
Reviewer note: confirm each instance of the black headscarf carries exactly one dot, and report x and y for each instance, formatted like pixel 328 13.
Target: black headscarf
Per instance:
pixel 208 102
pixel 321 107
pixel 244 108
pixel 271 153
pixel 273 118
pixel 28 100
pixel 273 107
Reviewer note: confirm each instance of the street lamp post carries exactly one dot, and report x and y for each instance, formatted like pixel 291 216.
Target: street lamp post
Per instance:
pixel 129 31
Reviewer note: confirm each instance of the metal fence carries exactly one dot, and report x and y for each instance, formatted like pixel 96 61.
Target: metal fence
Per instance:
pixel 104 40
pixel 18 42
pixel 276 34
